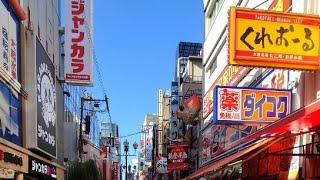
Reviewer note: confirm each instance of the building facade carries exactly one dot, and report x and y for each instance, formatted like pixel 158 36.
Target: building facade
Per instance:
pixel 282 149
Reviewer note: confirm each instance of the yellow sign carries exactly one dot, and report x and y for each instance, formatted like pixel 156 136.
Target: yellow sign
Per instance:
pixel 272 39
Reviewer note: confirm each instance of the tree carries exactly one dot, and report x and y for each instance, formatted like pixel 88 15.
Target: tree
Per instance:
pixel 84 171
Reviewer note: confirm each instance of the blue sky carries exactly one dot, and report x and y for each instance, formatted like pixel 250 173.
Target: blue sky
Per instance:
pixel 135 43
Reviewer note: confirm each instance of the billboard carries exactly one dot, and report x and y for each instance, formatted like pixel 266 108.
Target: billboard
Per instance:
pixel 273 39
pixel 46 101
pixel 238 105
pixel 177 157
pixel 78 42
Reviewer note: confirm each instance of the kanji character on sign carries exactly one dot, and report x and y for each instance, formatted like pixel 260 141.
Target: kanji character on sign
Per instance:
pixel 229 100
pixel 305 46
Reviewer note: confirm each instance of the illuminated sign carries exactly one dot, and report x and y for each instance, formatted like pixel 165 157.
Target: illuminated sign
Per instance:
pixel 273 39
pixel 42 169
pixel 236 105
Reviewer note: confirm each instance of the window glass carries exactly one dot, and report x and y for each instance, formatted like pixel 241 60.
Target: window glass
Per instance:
pixel 10 115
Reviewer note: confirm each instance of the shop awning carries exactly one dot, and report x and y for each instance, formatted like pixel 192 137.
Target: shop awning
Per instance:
pixel 302 120
pixel 231 158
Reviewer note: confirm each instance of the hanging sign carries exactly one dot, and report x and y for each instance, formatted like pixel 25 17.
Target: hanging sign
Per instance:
pixel 78 42
pixel 161 166
pixel 236 105
pixel 272 39
pixel 178 157
pixel 46 102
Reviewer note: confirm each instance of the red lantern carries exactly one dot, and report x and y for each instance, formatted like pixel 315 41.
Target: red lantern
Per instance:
pixel 189 110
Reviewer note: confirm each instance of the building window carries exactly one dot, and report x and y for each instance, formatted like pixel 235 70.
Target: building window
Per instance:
pixel 212 12
pixel 10 115
pixel 212 66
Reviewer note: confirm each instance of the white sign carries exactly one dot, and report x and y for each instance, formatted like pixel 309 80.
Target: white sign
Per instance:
pixel 162 165
pixel 8 42
pixel 78 42
pixel 149 146
pixel 6 173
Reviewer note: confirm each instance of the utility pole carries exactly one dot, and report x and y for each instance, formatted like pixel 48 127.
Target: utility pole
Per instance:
pixel 82 100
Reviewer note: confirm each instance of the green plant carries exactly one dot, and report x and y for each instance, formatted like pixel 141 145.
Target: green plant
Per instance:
pixel 84 171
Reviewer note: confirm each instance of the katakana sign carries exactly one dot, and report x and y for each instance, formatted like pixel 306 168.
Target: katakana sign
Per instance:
pixel 78 42
pixel 273 39
pixel 236 105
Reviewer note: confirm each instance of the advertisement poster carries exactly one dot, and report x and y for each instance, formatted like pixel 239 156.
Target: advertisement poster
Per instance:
pixel 178 157
pixel 46 102
pixel 238 105
pixel 78 42
pixel 176 124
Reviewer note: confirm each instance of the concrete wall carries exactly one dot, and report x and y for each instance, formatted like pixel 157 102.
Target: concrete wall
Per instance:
pixel 43 23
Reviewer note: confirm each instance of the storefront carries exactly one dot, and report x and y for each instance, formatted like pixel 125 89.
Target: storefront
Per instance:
pixel 12 163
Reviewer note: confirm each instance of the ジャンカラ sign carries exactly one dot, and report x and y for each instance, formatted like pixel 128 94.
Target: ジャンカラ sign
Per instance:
pixel 236 105
pixel 273 39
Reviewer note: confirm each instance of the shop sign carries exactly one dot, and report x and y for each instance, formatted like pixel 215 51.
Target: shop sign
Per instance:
pixel 78 42
pixel 46 102
pixel 161 165
pixel 149 145
pixel 176 125
pixel 177 157
pixel 39 168
pixel 272 39
pixel 9 30
pixel 238 105
pixel 6 173
pixel 230 77
pixel 12 159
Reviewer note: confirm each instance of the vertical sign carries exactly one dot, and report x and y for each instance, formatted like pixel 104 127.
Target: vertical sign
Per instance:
pixel 149 144
pixel 78 42
pixel 8 41
pixel 175 123
pixel 46 102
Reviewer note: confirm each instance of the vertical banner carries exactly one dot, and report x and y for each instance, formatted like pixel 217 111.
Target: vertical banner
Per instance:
pixel 46 102
pixel 78 42
pixel 9 25
pixel 149 145
pixel 175 123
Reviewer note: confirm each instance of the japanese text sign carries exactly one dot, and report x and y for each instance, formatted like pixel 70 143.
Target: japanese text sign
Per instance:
pixel 177 157
pixel 273 39
pixel 78 42
pixel 236 105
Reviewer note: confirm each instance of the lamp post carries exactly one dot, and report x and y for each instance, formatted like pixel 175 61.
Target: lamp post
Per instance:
pixel 126 149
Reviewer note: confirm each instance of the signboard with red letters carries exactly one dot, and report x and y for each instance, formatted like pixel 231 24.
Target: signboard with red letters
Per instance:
pixel 236 105
pixel 78 42
pixel 177 157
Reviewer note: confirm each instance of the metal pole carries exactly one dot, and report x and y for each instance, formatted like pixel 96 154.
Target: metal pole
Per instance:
pixel 80 128
pixel 126 165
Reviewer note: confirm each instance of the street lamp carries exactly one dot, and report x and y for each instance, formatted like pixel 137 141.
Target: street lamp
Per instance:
pixel 126 149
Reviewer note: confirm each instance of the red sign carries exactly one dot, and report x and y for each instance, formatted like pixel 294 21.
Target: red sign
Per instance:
pixel 178 157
